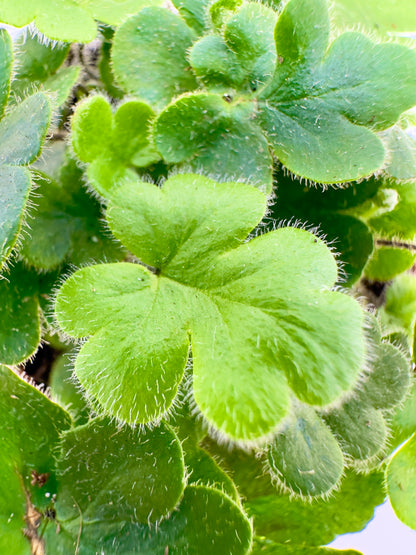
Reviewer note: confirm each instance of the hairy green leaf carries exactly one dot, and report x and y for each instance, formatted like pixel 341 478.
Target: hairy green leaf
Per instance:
pixel 401 482
pixel 360 429
pixel 243 57
pixel 66 224
pixel 15 186
pixel 324 102
pixel 69 20
pixel 149 56
pixel 112 145
pixel 108 474
pixel 226 294
pixel 207 132
pixel 305 456
pixel 22 132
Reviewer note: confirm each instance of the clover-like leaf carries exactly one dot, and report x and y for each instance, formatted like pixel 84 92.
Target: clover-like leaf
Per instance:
pixel 243 57
pixel 112 145
pixel 29 433
pixel 323 97
pixel 305 456
pixel 66 224
pixel 401 482
pixel 207 132
pixel 320 110
pixel 154 43
pixel 69 20
pixel 403 421
pixel 253 338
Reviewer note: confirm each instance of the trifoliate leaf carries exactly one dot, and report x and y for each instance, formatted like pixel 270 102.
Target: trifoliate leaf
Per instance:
pixel 360 429
pixel 205 517
pixel 387 262
pixel 69 20
pixel 112 145
pixel 401 482
pixel 107 474
pixel 150 56
pixel 324 101
pixel 244 57
pixel 66 224
pixel 241 303
pixel 30 431
pixel 208 132
pixel 305 456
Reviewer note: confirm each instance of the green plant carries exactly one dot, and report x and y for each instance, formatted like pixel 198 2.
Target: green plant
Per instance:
pixel 210 268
